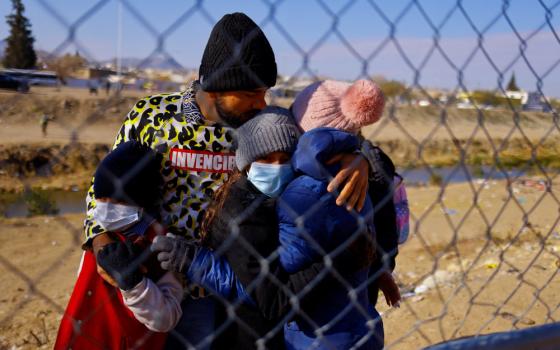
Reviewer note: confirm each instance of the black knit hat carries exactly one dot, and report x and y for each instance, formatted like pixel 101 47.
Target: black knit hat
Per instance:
pixel 238 56
pixel 130 173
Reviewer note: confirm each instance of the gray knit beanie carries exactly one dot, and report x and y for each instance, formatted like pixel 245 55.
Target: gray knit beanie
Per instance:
pixel 272 130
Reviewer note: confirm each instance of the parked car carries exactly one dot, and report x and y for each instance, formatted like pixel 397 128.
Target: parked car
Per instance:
pixel 11 83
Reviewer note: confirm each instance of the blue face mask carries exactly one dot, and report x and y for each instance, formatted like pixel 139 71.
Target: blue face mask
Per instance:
pixel 270 179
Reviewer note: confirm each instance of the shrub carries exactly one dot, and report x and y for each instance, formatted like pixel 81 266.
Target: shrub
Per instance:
pixel 39 203
pixel 436 179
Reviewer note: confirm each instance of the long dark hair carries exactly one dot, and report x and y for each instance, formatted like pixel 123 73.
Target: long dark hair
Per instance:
pixel 216 206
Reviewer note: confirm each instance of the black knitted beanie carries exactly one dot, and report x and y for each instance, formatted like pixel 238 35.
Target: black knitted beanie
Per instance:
pixel 237 56
pixel 131 173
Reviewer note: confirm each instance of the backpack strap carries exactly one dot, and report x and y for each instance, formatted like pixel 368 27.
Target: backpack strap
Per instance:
pixel 382 169
pixel 402 212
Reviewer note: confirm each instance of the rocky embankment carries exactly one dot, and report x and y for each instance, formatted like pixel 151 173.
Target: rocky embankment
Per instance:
pixel 53 166
pixel 40 165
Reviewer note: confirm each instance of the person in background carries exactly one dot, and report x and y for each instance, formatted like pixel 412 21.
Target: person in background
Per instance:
pixel 107 87
pixel 44 122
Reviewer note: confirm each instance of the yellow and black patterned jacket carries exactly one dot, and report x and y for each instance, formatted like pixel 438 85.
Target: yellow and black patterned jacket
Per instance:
pixel 197 158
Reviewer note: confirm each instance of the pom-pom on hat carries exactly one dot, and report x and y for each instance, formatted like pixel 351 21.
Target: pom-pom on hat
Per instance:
pixel 337 104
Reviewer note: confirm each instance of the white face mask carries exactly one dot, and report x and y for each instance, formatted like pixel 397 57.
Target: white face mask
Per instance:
pixel 115 217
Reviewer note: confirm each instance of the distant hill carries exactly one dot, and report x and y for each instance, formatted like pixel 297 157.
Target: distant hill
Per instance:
pixel 156 62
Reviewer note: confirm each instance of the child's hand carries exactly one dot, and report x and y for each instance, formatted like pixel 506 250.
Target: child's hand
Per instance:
pixel 97 244
pixel 122 261
pixel 390 289
pixel 174 253
pixel 106 276
pixel 100 241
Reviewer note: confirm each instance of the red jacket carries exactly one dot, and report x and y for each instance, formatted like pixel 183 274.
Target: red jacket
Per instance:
pixel 96 317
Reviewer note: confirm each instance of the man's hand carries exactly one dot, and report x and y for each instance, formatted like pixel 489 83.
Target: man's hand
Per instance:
pixel 174 253
pixel 390 289
pixel 353 173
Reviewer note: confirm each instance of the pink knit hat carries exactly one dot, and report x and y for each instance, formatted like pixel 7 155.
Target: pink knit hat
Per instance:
pixel 338 104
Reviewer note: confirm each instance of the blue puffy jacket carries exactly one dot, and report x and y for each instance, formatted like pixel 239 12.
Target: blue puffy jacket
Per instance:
pixel 312 225
pixel 214 273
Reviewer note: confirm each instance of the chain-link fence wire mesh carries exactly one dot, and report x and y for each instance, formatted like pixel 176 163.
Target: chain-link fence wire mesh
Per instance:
pixel 483 252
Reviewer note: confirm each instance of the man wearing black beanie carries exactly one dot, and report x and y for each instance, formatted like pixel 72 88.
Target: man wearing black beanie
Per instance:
pixel 238 57
pixel 194 132
pixel 237 68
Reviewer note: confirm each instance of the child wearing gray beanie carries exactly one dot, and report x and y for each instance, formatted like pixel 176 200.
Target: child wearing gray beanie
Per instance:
pixel 241 227
pixel 243 214
pixel 272 130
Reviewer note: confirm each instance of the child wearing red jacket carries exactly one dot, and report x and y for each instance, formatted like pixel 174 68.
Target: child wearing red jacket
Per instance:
pixel 122 298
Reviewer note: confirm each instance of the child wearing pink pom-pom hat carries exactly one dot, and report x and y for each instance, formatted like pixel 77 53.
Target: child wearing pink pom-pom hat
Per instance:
pixel 331 114
pixel 338 104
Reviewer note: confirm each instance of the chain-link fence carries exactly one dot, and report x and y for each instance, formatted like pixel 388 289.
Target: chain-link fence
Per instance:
pixel 478 154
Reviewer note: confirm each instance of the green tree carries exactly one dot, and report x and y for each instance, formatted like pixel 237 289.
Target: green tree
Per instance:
pixel 512 85
pixel 19 44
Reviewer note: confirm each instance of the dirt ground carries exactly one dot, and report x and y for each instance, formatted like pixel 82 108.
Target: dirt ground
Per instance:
pixel 485 281
pixel 482 257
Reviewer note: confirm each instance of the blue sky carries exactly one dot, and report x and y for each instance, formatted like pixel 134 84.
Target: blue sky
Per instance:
pixel 302 31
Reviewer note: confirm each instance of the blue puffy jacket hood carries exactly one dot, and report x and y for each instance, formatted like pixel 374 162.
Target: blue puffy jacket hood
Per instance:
pixel 318 146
